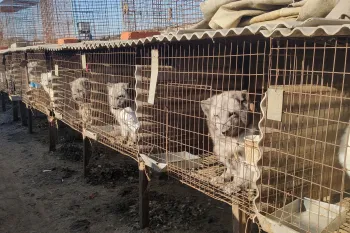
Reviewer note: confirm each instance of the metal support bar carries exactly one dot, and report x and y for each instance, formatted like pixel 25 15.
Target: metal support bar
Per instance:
pixel 87 152
pixel 30 120
pixel 22 110
pixel 15 110
pixel 52 134
pixel 3 101
pixel 143 196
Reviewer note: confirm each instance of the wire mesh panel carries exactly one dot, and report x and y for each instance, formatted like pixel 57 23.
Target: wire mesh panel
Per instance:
pixel 57 19
pixel 3 81
pixel 112 84
pixel 71 89
pixel 139 15
pixel 304 165
pixel 204 111
pixel 81 19
pixel 18 71
pixel 40 79
pixel 9 76
pixel 20 21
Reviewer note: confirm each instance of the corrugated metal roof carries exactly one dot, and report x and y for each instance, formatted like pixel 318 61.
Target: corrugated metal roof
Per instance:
pixel 309 28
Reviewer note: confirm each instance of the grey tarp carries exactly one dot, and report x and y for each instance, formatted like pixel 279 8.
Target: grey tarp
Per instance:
pixel 316 9
pixel 224 14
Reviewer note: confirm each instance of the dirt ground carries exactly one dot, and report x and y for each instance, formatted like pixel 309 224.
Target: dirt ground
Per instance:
pixel 46 192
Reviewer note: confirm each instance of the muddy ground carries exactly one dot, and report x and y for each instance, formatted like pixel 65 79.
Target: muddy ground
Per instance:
pixel 46 192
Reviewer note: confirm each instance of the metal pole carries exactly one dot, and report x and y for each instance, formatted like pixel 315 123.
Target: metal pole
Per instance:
pixel 15 110
pixel 87 152
pixel 30 120
pixel 240 221
pixel 22 109
pixel 143 196
pixel 3 101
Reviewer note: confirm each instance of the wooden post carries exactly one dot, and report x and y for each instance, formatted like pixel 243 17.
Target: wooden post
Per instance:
pixel 240 220
pixel 30 120
pixel 22 109
pixel 143 196
pixel 52 133
pixel 87 152
pixel 3 101
pixel 15 110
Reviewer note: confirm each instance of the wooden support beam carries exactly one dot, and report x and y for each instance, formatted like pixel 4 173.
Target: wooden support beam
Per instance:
pixel 87 153
pixel 52 133
pixel 22 109
pixel 241 224
pixel 143 196
pixel 30 120
pixel 15 110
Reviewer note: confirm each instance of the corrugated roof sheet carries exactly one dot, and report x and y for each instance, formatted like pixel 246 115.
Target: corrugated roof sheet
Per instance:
pixel 309 28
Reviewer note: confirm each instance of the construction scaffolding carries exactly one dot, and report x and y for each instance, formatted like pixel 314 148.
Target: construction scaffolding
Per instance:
pixel 20 22
pixel 155 15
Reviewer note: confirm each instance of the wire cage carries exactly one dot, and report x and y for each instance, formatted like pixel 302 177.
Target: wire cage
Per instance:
pixel 148 15
pixel 18 72
pixel 81 19
pixel 40 79
pixel 203 108
pixel 71 89
pixel 112 83
pixel 9 76
pixel 304 166
pixel 20 22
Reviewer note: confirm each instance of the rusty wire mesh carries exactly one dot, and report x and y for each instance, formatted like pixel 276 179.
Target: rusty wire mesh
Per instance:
pixel 148 15
pixel 70 105
pixel 204 92
pixel 302 153
pixel 39 72
pixel 112 83
pixel 20 21
pixel 9 76
pixel 3 81
pixel 81 19
pixel 18 71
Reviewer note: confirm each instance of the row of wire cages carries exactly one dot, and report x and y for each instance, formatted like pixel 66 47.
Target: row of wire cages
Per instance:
pixel 262 124
pixel 45 21
pixel 202 112
pixel 94 93
pixel 39 81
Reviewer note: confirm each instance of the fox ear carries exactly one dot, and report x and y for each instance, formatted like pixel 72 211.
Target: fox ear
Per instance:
pixel 205 105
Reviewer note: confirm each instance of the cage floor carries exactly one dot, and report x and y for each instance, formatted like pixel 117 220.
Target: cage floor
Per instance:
pixel 345 228
pixel 108 136
pixel 200 177
pixel 41 108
